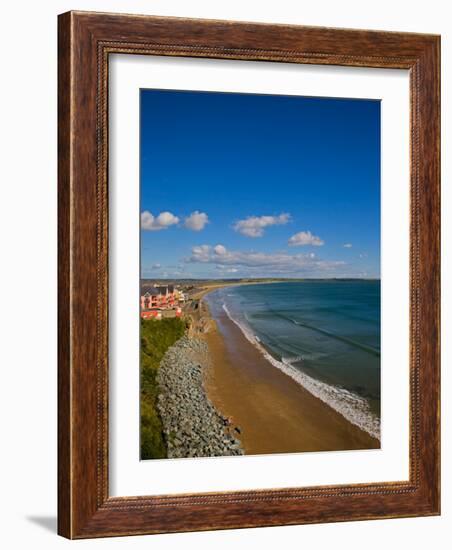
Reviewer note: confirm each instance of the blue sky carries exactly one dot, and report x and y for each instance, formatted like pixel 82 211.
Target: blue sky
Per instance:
pixel 245 185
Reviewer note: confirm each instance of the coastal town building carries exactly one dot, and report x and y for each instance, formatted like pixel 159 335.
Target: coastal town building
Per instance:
pixel 157 299
pixel 151 314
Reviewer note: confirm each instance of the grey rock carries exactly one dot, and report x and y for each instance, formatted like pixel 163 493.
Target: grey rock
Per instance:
pixel 192 427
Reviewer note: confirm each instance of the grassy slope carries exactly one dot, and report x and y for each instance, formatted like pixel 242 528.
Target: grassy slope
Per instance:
pixel 156 338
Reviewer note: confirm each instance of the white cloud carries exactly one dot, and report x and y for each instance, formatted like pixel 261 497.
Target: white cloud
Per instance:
pixel 156 223
pixel 304 238
pixel 156 266
pixel 196 221
pixel 254 226
pixel 348 245
pixel 220 250
pixel 263 264
pixel 225 269
pixel 201 253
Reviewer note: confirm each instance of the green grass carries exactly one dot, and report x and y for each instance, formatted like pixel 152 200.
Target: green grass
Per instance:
pixel 156 338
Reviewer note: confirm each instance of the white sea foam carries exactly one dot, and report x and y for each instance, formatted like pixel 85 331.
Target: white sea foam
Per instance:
pixel 292 360
pixel 350 405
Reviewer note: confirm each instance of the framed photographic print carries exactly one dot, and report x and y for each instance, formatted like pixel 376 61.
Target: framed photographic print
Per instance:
pixel 248 275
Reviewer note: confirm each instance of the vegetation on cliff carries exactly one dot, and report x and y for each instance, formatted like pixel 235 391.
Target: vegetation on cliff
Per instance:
pixel 156 338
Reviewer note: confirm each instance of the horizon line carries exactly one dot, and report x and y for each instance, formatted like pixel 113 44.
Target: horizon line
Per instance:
pixel 260 278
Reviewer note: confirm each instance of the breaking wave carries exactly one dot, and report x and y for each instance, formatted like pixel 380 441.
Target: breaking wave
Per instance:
pixel 351 406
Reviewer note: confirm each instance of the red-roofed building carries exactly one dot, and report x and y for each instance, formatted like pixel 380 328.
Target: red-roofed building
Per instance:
pixel 158 298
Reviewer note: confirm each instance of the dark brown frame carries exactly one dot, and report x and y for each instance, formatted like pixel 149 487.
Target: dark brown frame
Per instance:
pixel 84 44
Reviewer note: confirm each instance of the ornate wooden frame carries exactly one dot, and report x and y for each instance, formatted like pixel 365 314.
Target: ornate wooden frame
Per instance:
pixel 85 42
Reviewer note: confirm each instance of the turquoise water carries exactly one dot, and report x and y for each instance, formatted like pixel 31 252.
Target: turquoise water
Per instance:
pixel 325 334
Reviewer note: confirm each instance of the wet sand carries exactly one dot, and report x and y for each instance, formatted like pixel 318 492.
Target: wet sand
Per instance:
pixel 275 414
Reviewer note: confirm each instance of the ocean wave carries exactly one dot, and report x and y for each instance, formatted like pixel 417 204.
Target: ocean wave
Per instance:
pixel 292 360
pixel 351 406
pixel 353 343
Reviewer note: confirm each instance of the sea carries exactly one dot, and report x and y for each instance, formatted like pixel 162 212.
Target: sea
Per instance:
pixel 325 334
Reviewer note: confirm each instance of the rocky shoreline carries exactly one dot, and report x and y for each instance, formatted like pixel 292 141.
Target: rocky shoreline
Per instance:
pixel 192 427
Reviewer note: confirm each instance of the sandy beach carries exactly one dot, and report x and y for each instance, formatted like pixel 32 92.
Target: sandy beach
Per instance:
pixel 275 414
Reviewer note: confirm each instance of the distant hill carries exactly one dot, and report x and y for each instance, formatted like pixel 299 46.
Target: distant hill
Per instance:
pixel 151 282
